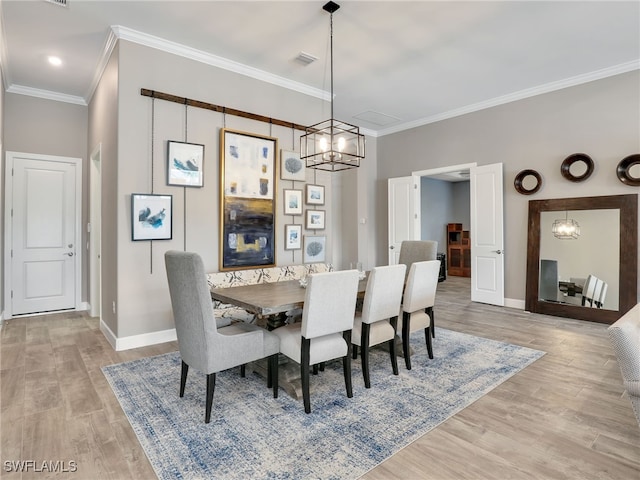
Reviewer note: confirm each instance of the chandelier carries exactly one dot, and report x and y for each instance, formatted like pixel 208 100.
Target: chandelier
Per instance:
pixel 332 145
pixel 567 229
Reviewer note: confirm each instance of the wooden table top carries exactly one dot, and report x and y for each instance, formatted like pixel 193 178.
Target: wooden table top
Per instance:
pixel 268 298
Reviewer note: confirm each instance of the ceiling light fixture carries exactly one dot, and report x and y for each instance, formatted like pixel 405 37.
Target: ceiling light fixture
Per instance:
pixel 567 229
pixel 332 145
pixel 55 61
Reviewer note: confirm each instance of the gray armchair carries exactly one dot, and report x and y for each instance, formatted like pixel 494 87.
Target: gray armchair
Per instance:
pixel 203 345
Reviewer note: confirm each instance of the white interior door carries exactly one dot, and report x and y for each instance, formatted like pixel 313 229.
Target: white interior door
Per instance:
pixel 487 238
pixel 43 200
pixel 404 213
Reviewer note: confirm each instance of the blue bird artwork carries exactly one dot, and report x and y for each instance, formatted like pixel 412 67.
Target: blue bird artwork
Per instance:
pixel 155 221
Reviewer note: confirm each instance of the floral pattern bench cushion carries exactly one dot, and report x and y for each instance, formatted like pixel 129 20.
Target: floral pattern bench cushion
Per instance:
pixel 234 278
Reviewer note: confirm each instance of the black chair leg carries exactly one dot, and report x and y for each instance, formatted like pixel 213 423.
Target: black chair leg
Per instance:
pixel 406 350
pixel 315 369
pixel 243 370
pixel 364 342
pixel 304 373
pixel 272 374
pixel 392 347
pixel 355 352
pixel 433 322
pixel 183 378
pixel 346 363
pixel 322 364
pixel 211 386
pixel 427 334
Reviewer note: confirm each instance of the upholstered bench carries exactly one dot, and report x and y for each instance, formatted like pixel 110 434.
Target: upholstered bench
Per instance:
pixel 226 313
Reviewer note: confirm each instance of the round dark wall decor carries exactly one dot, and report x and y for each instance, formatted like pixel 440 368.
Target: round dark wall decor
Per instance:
pixel 624 170
pixel 565 168
pixel 518 183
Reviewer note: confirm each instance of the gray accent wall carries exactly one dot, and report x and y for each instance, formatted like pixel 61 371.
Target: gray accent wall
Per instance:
pixel 140 280
pixel 103 131
pixel 599 118
pixel 442 202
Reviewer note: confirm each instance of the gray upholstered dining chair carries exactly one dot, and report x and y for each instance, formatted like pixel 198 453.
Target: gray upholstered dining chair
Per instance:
pixel 202 344
pixel 412 251
pixel 418 301
pixel 377 321
pixel 325 331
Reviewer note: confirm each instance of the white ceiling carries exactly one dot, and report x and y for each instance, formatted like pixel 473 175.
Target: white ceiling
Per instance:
pixel 396 64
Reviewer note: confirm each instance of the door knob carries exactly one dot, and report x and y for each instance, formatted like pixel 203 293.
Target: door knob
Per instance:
pixel 391 247
pixel 499 252
pixel 69 254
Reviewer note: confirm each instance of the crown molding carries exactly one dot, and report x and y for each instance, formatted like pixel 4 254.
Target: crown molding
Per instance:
pixel 522 94
pixel 6 79
pixel 46 94
pixel 158 43
pixel 107 50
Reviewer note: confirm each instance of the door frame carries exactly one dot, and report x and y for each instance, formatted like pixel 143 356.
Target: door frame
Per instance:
pixel 10 158
pixel 454 168
pixel 95 232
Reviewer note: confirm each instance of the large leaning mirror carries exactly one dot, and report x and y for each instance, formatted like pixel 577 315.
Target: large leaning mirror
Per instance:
pixel 582 257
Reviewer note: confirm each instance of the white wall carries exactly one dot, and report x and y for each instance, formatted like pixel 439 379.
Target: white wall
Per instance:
pixel 600 118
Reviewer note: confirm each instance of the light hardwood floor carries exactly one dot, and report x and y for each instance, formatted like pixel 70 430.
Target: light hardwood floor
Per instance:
pixel 564 417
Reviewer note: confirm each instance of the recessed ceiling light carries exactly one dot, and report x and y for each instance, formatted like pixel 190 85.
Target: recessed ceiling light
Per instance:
pixel 55 61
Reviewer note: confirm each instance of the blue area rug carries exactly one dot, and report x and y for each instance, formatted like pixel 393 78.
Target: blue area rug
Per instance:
pixel 254 436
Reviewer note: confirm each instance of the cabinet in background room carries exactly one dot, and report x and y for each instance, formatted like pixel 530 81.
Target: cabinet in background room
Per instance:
pixel 458 250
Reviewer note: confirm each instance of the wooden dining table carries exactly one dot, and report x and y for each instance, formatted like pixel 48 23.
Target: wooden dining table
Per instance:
pixel 266 299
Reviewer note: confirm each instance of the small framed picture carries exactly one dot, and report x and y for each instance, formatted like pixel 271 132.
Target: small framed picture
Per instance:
pixel 314 248
pixel 151 217
pixel 185 164
pixel 315 194
pixel 315 220
pixel 292 202
pixel 292 237
pixel 291 167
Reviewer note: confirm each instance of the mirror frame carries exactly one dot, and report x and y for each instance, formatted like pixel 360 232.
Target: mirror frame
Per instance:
pixel 628 270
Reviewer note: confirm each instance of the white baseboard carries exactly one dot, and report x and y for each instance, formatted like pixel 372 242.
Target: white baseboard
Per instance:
pixel 514 303
pixel 136 341
pixel 84 306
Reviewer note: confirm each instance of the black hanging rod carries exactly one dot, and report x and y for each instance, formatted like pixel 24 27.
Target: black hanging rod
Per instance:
pixel 218 108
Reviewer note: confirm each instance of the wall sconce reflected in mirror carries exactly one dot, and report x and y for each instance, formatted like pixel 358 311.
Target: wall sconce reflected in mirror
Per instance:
pixel 566 229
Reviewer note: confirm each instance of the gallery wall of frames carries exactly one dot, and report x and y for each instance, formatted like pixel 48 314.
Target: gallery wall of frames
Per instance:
pixel 259 183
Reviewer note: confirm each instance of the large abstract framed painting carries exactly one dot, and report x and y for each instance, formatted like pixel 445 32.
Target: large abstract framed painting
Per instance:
pixel 151 216
pixel 314 248
pixel 185 164
pixel 248 200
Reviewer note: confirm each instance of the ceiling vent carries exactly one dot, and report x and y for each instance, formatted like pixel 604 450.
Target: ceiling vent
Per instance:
pixel 305 59
pixel 62 3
